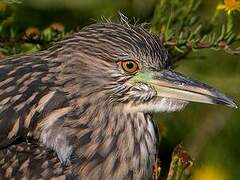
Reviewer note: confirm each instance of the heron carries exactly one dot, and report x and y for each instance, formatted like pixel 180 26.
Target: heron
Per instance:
pixel 83 108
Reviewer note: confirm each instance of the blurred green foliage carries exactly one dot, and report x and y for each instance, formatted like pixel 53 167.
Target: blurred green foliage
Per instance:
pixel 210 133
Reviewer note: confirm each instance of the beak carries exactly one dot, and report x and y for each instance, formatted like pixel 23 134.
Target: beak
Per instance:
pixel 174 85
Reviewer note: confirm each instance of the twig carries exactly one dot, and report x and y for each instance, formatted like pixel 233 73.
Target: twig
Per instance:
pixel 180 162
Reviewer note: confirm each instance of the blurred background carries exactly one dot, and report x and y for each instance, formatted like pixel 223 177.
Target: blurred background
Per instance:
pixel 209 133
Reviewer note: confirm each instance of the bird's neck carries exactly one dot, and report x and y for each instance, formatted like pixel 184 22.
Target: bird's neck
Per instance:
pixel 112 142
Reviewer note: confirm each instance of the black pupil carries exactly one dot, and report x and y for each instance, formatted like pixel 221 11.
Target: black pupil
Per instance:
pixel 129 65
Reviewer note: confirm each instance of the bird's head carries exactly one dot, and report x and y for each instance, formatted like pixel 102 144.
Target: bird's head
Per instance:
pixel 129 65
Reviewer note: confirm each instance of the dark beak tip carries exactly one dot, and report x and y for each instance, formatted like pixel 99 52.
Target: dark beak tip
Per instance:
pixel 224 100
pixel 230 103
pixel 234 105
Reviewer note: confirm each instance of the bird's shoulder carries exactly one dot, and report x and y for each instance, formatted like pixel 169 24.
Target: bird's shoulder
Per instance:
pixel 32 161
pixel 19 119
pixel 27 95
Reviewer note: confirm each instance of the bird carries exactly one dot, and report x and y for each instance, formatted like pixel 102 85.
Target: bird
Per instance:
pixel 83 109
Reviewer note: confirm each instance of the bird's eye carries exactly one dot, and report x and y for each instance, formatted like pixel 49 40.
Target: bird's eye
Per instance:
pixel 129 66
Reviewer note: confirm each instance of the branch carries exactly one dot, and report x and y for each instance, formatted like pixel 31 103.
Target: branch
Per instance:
pixel 202 45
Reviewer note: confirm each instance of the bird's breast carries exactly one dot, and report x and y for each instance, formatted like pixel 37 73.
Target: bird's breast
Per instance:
pixel 124 149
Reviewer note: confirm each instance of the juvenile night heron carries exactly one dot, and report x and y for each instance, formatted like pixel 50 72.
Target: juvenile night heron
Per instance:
pixel 83 109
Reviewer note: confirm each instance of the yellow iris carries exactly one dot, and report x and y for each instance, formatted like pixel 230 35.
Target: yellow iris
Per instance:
pixel 129 66
pixel 230 6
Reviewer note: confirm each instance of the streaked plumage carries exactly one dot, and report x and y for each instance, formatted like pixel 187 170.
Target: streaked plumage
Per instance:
pixel 73 112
